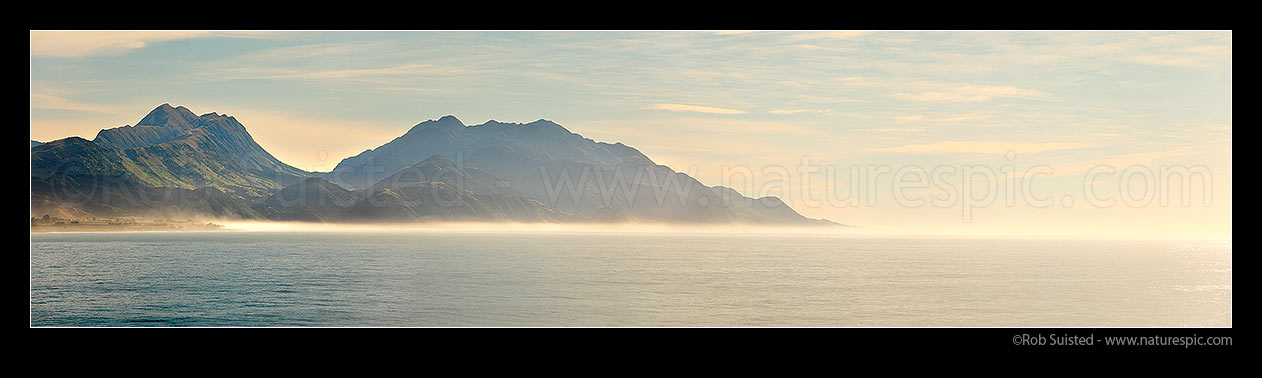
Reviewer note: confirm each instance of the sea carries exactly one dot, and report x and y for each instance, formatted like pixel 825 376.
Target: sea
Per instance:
pixel 577 279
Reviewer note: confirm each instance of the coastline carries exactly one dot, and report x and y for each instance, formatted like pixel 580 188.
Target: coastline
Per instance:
pixel 97 228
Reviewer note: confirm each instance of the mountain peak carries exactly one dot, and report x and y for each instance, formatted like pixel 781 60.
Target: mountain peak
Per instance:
pixel 436 160
pixel 445 122
pixel 72 140
pixel 316 181
pixel 167 115
pixel 545 124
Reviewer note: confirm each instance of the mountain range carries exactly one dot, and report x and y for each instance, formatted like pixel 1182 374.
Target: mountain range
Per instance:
pixel 176 163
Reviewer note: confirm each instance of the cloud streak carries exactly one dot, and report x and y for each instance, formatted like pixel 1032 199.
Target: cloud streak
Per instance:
pixel 77 44
pixel 49 102
pixel 798 111
pixel 949 119
pixel 410 69
pixel 892 130
pixel 843 34
pixel 982 147
pixel 694 108
pixel 972 93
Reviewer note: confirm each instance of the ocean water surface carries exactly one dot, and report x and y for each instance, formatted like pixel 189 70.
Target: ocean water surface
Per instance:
pixel 620 279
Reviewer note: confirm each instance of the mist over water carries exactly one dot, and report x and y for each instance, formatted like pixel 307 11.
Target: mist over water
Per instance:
pixel 708 229
pixel 550 228
pixel 456 276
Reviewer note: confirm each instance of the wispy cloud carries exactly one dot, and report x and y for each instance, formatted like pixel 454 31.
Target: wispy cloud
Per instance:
pixel 731 130
pixel 49 102
pixel 844 34
pixel 797 111
pixel 892 130
pixel 410 69
pixel 982 147
pixel 814 99
pixel 73 44
pixel 318 50
pixel 972 93
pixel 960 118
pixel 748 127
pixel 409 89
pixel 1163 60
pixel 946 119
pixel 856 81
pixel 694 108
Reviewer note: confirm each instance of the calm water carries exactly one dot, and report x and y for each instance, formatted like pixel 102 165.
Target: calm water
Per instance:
pixel 435 279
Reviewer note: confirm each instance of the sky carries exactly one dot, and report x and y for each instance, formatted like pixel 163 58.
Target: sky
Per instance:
pixel 1058 133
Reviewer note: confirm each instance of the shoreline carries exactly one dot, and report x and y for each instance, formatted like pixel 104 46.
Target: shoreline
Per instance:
pixel 94 228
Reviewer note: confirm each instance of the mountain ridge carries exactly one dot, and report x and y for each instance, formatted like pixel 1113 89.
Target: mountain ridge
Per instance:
pixel 172 148
pixel 438 169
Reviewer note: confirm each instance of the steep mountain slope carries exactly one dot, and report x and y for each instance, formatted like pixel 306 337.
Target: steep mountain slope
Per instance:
pixel 543 161
pixel 172 148
pixel 499 145
pixel 313 199
pixel 171 162
pixel 120 196
pixel 436 189
pixel 164 123
pixel 76 156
